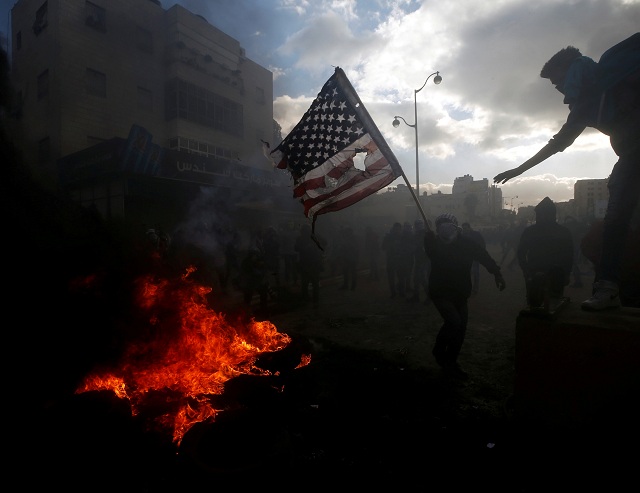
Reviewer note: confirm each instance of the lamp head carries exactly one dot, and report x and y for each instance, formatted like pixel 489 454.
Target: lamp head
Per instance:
pixel 437 79
pixel 395 122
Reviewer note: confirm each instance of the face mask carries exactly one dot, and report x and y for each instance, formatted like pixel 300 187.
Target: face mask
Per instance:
pixel 448 232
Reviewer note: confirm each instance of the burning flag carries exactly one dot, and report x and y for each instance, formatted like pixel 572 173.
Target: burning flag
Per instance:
pixel 320 149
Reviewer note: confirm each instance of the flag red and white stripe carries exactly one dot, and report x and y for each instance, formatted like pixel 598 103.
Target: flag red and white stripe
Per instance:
pixel 319 151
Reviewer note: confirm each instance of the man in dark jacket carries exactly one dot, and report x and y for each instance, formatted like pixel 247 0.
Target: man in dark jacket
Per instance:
pixel 475 235
pixel 545 255
pixel 451 256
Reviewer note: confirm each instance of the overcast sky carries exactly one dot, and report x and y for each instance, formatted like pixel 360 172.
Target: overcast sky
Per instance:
pixel 492 110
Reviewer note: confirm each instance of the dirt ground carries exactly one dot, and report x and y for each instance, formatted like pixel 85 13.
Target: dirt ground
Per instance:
pixel 404 332
pixel 380 411
pixel 370 412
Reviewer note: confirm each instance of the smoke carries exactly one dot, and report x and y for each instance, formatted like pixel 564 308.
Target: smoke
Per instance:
pixel 209 224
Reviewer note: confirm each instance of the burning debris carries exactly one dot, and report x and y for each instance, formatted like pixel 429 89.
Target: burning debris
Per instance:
pixel 179 362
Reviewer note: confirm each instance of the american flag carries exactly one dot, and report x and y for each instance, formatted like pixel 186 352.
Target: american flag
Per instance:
pixel 320 149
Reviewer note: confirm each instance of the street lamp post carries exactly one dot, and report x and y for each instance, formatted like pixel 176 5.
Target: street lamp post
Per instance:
pixel 436 80
pixel 510 206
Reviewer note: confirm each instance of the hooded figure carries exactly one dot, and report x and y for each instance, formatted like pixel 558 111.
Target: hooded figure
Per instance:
pixel 545 211
pixel 545 255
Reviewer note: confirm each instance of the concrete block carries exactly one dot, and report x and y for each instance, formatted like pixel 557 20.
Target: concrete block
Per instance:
pixel 578 368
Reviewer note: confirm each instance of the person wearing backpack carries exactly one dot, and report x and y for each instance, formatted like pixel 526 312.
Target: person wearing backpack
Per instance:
pixel 605 96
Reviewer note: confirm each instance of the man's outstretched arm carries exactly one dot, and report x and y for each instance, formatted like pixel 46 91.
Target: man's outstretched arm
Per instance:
pixel 563 139
pixel 540 156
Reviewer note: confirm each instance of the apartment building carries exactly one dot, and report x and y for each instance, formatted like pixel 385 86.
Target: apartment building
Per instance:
pixel 123 102
pixel 591 198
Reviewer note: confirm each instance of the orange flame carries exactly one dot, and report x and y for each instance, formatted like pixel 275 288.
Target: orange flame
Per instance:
pixel 187 354
pixel 304 360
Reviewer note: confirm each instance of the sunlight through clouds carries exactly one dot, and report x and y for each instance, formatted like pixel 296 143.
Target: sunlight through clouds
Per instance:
pixel 492 110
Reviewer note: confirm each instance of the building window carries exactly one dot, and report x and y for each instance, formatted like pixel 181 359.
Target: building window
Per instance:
pixel 19 40
pixel 144 40
pixel 202 148
pixel 95 17
pixel 43 84
pixel 96 83
pixel 44 150
pixel 194 103
pixel 41 19
pixel 145 99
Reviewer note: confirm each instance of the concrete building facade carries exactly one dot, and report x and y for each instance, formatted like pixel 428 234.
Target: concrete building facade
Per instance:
pixel 87 71
pixel 107 75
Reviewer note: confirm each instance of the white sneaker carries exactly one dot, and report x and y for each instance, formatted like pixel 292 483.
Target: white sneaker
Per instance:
pixel 605 295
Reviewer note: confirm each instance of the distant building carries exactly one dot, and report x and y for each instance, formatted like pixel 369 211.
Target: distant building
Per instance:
pixel 564 209
pixel 165 86
pixel 439 203
pixel 527 213
pixel 476 199
pixel 470 200
pixel 591 198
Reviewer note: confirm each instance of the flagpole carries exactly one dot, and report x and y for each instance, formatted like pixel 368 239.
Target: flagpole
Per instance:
pixel 424 217
pixel 373 130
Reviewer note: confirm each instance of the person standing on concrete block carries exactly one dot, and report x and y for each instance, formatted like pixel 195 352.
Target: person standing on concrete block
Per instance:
pixel 605 96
